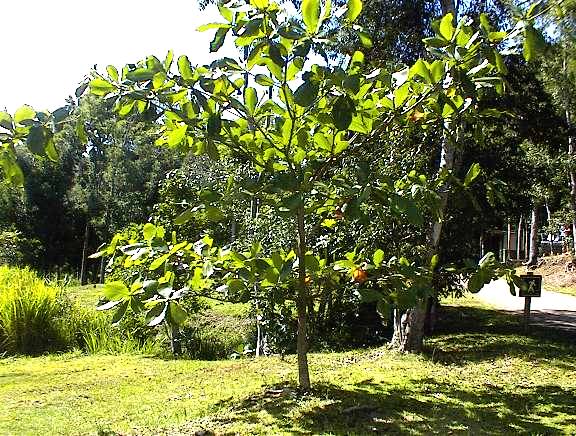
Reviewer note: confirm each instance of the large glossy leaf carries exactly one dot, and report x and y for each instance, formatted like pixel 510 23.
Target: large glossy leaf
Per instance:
pixel 185 68
pixel 115 291
pixel 101 87
pixel 24 115
pixel 250 99
pixel 342 112
pixel 354 9
pixel 306 93
pixel 218 40
pixel 6 121
pixel 473 172
pixel 311 14
pixel 446 26
pixel 37 139
pixel 177 314
pixel 149 231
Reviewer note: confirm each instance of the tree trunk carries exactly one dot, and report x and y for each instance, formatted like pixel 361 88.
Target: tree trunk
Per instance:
pixel 302 305
pixel 519 238
pixel 508 242
pixel 409 328
pixel 175 342
pixel 526 242
pixel 533 256
pixel 83 266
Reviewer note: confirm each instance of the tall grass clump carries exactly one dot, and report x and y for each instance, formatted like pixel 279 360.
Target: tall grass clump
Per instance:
pixel 34 317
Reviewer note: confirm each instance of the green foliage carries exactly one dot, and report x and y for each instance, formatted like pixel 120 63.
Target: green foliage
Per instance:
pixel 34 318
pixel 17 250
pixel 212 335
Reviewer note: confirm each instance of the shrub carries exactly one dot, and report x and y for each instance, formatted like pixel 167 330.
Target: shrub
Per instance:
pixel 34 317
pixel 212 335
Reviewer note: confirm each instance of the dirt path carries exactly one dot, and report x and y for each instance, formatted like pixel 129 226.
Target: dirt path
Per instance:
pixel 552 309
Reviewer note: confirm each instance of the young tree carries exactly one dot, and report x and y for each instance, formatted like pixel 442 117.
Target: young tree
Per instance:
pixel 296 137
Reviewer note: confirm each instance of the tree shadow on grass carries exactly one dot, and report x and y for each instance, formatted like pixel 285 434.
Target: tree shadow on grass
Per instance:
pixel 467 334
pixel 425 407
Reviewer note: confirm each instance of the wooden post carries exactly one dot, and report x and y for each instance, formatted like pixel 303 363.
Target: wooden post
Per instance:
pixel 527 301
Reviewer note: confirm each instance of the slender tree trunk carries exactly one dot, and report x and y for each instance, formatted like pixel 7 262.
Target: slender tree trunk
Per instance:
pixel 409 326
pixel 533 255
pixel 526 242
pixel 83 266
pixel 302 305
pixel 519 238
pixel 508 241
pixel 175 342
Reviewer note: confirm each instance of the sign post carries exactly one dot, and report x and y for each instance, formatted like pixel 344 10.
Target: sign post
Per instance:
pixel 533 288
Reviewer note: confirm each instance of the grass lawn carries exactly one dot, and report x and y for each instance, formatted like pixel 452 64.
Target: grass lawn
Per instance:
pixel 485 379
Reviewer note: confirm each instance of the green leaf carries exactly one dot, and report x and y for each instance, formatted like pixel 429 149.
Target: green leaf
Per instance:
pixel 213 214
pixel 185 68
pixel 259 4
pixel 37 140
pixel 378 257
pixel 250 99
pixel 420 69
pixel 446 26
pixel 184 217
pixel 177 314
pixel 354 9
pixel 437 71
pixel 210 26
pixel 101 87
pixel 6 121
pixel 112 72
pixel 218 40
pixel 214 125
pixel 473 172
pixel 365 39
pixel 436 42
pixel 306 93
pixel 115 291
pixel 140 74
pixel 262 79
pixel 50 149
pixel 533 43
pixel 176 136
pixel 119 314
pixel 311 14
pixel 157 314
pixel 158 262
pixel 149 231
pixel 434 262
pixel 342 112
pixel 24 114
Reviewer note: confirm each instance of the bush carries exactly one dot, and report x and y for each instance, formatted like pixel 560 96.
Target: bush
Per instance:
pixel 212 335
pixel 34 317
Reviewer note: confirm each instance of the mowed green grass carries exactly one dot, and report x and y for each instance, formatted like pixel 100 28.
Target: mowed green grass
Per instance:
pixel 484 379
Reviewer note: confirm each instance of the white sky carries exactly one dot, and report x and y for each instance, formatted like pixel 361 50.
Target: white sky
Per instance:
pixel 48 46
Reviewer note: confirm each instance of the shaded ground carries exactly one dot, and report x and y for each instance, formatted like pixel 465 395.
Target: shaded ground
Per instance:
pixel 478 376
pixel 552 309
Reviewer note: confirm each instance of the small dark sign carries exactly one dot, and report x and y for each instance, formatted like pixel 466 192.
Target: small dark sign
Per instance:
pixel 533 286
